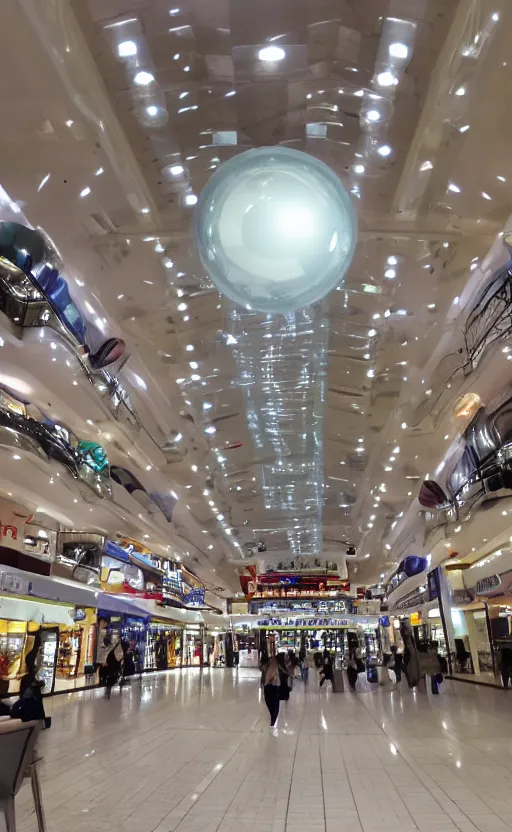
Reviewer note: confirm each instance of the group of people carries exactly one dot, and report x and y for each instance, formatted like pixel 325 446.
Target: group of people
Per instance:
pixel 117 662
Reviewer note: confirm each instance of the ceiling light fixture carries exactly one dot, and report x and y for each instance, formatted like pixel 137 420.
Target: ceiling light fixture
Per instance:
pixel 386 79
pixel 398 50
pixel 373 115
pixel 384 150
pixel 143 78
pixel 271 53
pixel 127 48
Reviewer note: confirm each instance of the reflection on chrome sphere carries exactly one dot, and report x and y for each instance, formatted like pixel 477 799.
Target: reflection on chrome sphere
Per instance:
pixel 275 229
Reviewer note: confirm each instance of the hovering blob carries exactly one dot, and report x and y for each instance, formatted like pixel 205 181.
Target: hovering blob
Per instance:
pixel 275 229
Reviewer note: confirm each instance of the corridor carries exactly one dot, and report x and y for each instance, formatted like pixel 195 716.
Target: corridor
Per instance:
pixel 192 751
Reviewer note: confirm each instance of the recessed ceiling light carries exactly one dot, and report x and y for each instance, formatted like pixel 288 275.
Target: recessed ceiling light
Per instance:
pixel 271 53
pixel 190 199
pixel 486 195
pixel 194 468
pixel 127 48
pixel 390 273
pixel 99 172
pixel 358 168
pixel 230 94
pixel 69 122
pixel 372 332
pixel 85 192
pixel 143 78
pixel 398 50
pixel 426 165
pixel 386 79
pixel 454 188
pixel 189 348
pixel 144 210
pixel 152 110
pixel 384 150
pixel 460 91
pixel 392 260
pixel 176 170
pixel 174 11
pixel 373 115
pixel 464 128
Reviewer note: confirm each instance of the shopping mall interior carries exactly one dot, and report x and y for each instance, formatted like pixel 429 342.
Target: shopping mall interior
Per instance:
pixel 255 346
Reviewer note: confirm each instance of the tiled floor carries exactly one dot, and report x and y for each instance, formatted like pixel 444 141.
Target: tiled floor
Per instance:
pixel 191 751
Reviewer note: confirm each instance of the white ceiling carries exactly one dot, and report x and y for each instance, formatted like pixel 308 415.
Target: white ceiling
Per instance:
pixel 73 110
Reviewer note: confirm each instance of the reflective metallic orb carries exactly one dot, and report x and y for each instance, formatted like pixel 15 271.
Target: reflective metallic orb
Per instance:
pixel 275 229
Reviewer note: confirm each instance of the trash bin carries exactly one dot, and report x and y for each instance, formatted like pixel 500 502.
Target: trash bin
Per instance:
pixel 339 682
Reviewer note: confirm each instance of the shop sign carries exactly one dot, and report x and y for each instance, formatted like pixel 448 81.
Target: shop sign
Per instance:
pixel 304 622
pixel 14 584
pixel 79 614
pixel 413 599
pixel 486 585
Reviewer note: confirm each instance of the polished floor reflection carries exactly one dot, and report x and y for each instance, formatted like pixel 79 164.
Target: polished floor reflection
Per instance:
pixel 192 751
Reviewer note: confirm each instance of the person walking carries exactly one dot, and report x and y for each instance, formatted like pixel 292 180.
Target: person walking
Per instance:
pixel 113 663
pixel 354 664
pixel 285 678
pixel 271 687
pixel 327 672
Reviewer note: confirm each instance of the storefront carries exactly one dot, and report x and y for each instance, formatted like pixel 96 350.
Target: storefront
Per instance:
pixel 54 626
pixel 312 633
pixel 421 599
pixel 56 639
pixel 481 613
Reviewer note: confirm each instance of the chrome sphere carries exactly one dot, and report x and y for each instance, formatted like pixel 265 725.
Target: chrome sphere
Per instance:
pixel 275 229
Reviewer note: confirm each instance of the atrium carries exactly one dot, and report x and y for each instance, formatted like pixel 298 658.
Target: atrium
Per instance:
pixel 255 382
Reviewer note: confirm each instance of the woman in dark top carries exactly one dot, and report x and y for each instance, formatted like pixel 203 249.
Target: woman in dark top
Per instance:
pixel 284 676
pixel 327 673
